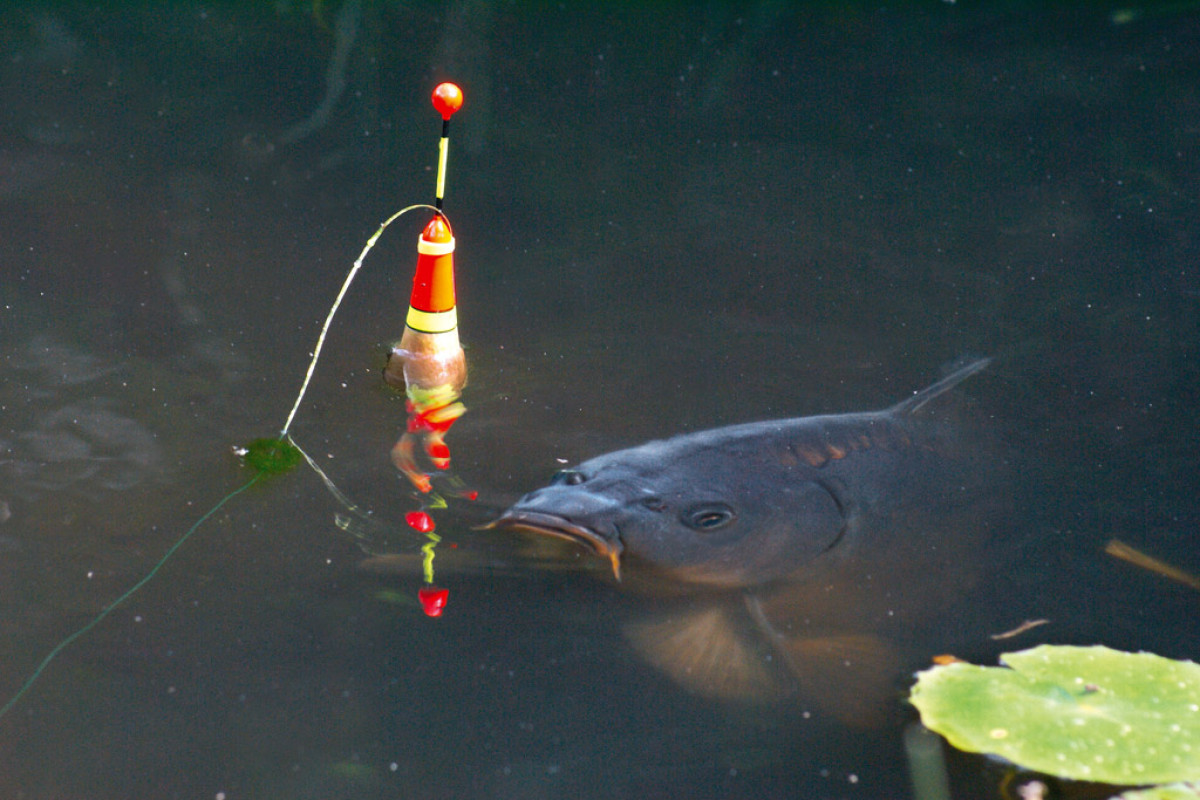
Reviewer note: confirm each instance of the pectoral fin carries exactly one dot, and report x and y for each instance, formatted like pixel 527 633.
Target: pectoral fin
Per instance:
pixel 705 652
pixel 724 654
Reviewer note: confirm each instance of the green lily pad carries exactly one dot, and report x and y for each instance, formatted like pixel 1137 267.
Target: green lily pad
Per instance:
pixel 1172 791
pixel 1085 713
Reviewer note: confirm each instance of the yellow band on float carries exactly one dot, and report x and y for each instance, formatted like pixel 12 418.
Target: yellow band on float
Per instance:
pixel 432 321
pixel 427 248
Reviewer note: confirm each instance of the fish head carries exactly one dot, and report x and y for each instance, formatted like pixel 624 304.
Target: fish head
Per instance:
pixel 706 512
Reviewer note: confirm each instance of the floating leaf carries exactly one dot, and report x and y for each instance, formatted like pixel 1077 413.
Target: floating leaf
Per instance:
pixel 1085 713
pixel 270 456
pixel 1173 791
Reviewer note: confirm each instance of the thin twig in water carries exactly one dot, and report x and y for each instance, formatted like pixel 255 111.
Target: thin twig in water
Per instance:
pixel 1024 626
pixel 1118 549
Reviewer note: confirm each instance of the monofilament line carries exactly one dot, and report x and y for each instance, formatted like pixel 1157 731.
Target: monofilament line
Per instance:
pixel 312 366
pixel 129 593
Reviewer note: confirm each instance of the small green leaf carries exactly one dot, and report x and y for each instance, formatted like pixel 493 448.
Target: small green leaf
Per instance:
pixel 271 456
pixel 1085 713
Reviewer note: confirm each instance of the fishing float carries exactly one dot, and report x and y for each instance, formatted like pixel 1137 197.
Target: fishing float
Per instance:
pixel 427 362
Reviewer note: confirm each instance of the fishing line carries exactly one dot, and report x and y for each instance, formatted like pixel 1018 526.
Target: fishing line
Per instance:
pixel 266 455
pixel 129 593
pixel 338 494
pixel 274 456
pixel 342 521
pixel 312 365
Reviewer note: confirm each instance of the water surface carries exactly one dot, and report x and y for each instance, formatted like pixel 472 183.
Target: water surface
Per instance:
pixel 667 220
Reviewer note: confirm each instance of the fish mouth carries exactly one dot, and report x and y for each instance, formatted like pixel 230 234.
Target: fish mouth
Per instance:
pixel 553 525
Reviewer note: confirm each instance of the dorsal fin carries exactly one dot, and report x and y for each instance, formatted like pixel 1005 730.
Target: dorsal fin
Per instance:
pixel 913 404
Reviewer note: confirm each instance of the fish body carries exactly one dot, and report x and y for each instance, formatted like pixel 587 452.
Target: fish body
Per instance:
pixel 793 541
pixel 750 504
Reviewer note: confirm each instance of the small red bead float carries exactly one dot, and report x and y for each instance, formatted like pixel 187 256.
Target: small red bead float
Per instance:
pixel 433 600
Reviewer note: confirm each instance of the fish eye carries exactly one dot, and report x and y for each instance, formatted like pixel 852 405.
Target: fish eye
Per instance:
pixel 709 517
pixel 567 477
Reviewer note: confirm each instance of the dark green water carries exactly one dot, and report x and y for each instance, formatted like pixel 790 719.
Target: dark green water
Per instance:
pixel 668 218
